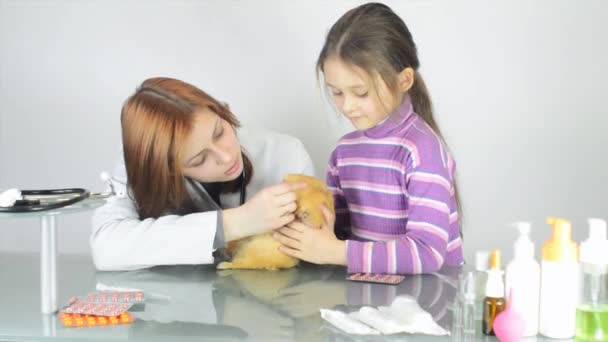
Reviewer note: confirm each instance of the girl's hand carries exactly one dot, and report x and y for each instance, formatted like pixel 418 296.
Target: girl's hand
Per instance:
pixel 271 208
pixel 319 246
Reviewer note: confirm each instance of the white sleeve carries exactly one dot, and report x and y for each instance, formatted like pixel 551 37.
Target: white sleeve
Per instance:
pixel 121 241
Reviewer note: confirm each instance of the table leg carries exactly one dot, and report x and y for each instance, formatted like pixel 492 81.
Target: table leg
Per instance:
pixel 49 325
pixel 48 265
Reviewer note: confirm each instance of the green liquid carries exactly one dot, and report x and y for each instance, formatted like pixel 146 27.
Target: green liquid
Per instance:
pixel 592 323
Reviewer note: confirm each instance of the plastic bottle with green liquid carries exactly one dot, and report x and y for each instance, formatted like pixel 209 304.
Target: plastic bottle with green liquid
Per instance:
pixel 592 308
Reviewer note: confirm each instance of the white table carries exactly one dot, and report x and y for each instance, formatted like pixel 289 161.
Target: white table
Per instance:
pixel 48 247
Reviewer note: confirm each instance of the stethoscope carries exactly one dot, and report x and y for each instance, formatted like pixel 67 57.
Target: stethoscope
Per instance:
pixel 202 191
pixel 48 199
pixel 243 188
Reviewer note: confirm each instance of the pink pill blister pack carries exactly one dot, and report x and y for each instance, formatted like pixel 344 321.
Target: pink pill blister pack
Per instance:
pixel 391 279
pixel 103 303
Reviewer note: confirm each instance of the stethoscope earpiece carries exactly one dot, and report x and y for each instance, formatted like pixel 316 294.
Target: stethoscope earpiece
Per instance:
pixel 106 177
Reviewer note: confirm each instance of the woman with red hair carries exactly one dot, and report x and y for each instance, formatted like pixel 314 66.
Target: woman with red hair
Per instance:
pixel 193 182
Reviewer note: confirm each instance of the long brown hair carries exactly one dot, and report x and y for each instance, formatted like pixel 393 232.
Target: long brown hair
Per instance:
pixel 156 123
pixel 375 39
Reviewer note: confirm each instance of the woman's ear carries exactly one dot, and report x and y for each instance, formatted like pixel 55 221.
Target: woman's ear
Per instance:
pixel 406 79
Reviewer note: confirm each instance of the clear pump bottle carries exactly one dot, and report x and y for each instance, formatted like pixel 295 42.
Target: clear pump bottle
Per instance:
pixel 592 308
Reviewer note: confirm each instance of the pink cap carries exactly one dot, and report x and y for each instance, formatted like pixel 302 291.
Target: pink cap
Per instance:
pixel 509 325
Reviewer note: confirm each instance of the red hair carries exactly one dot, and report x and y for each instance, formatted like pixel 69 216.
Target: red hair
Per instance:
pixel 156 123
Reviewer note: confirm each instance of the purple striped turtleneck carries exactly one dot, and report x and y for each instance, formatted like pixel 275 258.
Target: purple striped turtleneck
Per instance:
pixel 393 188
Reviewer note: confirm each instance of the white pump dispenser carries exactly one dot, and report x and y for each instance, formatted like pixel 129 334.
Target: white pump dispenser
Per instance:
pixel 523 275
pixel 559 282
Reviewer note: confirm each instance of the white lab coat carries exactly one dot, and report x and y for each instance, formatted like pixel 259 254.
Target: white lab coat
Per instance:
pixel 121 241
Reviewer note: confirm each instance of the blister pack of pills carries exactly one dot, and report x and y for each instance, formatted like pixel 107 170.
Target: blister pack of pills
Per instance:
pixel 391 279
pixel 78 320
pixel 100 308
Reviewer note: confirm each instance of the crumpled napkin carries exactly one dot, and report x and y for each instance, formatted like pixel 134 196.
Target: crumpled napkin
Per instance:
pixel 404 315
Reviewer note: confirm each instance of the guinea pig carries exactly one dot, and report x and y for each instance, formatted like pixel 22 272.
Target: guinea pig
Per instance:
pixel 262 251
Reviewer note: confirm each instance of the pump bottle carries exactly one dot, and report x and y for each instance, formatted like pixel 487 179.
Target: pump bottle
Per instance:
pixel 592 308
pixel 523 275
pixel 559 282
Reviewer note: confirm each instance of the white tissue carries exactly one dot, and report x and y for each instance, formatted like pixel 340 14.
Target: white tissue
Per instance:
pixel 378 320
pixel 9 197
pixel 345 322
pixel 404 315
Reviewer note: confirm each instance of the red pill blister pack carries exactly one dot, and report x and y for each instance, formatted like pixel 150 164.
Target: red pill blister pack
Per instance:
pixel 391 279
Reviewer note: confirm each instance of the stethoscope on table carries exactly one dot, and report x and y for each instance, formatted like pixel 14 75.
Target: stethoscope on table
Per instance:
pixel 15 201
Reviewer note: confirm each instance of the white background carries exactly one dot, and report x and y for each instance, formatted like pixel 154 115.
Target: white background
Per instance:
pixel 518 86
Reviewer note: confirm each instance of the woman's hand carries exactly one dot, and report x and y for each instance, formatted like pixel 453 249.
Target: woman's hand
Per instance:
pixel 319 246
pixel 271 208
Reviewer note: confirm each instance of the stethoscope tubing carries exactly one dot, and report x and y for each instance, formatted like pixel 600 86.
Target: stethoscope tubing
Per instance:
pixel 72 195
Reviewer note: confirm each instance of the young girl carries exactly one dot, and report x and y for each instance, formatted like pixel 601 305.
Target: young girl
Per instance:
pixel 393 178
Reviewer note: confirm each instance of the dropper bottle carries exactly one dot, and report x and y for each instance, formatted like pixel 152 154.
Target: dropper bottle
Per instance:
pixel 494 301
pixel 482 260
